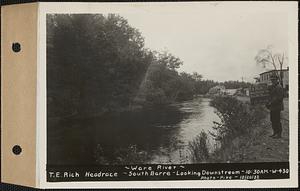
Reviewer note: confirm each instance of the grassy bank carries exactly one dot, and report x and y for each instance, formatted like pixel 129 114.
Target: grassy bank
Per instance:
pixel 239 125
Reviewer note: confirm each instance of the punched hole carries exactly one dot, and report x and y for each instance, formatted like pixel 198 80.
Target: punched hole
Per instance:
pixel 16 47
pixel 17 150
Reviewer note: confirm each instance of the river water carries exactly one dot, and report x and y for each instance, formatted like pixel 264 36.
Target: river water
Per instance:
pixel 200 117
pixel 161 134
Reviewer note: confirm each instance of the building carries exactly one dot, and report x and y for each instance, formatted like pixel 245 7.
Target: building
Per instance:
pixel 265 77
pixel 231 92
pixel 243 92
pixel 217 90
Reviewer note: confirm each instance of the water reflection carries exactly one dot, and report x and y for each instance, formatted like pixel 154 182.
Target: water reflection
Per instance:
pixel 162 133
pixel 201 117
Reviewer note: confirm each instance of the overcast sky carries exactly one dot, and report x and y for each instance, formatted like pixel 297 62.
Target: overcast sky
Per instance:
pixel 216 42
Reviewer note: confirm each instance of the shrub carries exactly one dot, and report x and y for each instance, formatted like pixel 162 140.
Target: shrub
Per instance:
pixel 237 118
pixel 239 123
pixel 199 148
pixel 121 155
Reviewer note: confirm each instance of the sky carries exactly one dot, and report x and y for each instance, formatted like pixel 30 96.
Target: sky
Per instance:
pixel 216 41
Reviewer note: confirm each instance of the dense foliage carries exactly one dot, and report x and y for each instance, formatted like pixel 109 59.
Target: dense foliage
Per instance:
pixel 98 63
pixel 94 63
pixel 235 84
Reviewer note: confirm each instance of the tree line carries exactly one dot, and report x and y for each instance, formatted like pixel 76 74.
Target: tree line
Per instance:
pixel 98 63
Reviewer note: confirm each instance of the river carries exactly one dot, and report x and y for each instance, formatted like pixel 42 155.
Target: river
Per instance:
pixel 160 135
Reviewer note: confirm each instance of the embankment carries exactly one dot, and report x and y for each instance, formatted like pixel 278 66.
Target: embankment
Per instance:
pixel 238 129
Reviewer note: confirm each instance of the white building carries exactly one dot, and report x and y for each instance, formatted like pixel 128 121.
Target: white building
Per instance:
pixel 219 90
pixel 231 91
pixel 265 77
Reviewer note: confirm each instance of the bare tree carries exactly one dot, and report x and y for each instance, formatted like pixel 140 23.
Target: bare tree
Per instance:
pixel 266 57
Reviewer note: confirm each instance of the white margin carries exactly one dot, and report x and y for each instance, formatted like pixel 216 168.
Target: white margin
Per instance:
pixel 38 91
pixel 290 7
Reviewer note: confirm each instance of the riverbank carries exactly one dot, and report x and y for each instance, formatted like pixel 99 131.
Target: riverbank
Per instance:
pixel 240 141
pixel 266 149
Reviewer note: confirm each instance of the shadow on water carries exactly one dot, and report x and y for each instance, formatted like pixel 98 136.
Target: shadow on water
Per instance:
pixel 158 132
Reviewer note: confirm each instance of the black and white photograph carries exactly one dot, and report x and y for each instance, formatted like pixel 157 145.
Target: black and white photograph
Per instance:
pixel 156 89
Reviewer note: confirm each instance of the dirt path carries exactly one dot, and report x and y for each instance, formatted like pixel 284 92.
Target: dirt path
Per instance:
pixel 266 149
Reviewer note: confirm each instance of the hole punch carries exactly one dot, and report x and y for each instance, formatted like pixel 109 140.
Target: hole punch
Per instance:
pixel 17 150
pixel 16 47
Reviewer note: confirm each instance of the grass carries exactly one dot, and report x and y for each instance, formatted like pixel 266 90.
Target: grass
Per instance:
pixel 120 156
pixel 199 148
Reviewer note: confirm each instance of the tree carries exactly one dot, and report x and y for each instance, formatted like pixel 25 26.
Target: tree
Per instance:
pixel 95 63
pixel 266 57
pixel 168 60
pixel 163 84
pixel 98 63
pixel 196 76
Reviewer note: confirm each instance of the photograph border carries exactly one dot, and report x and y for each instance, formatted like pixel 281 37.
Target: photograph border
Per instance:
pixel 76 8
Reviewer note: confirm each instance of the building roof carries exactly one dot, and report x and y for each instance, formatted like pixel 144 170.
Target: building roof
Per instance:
pixel 274 71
